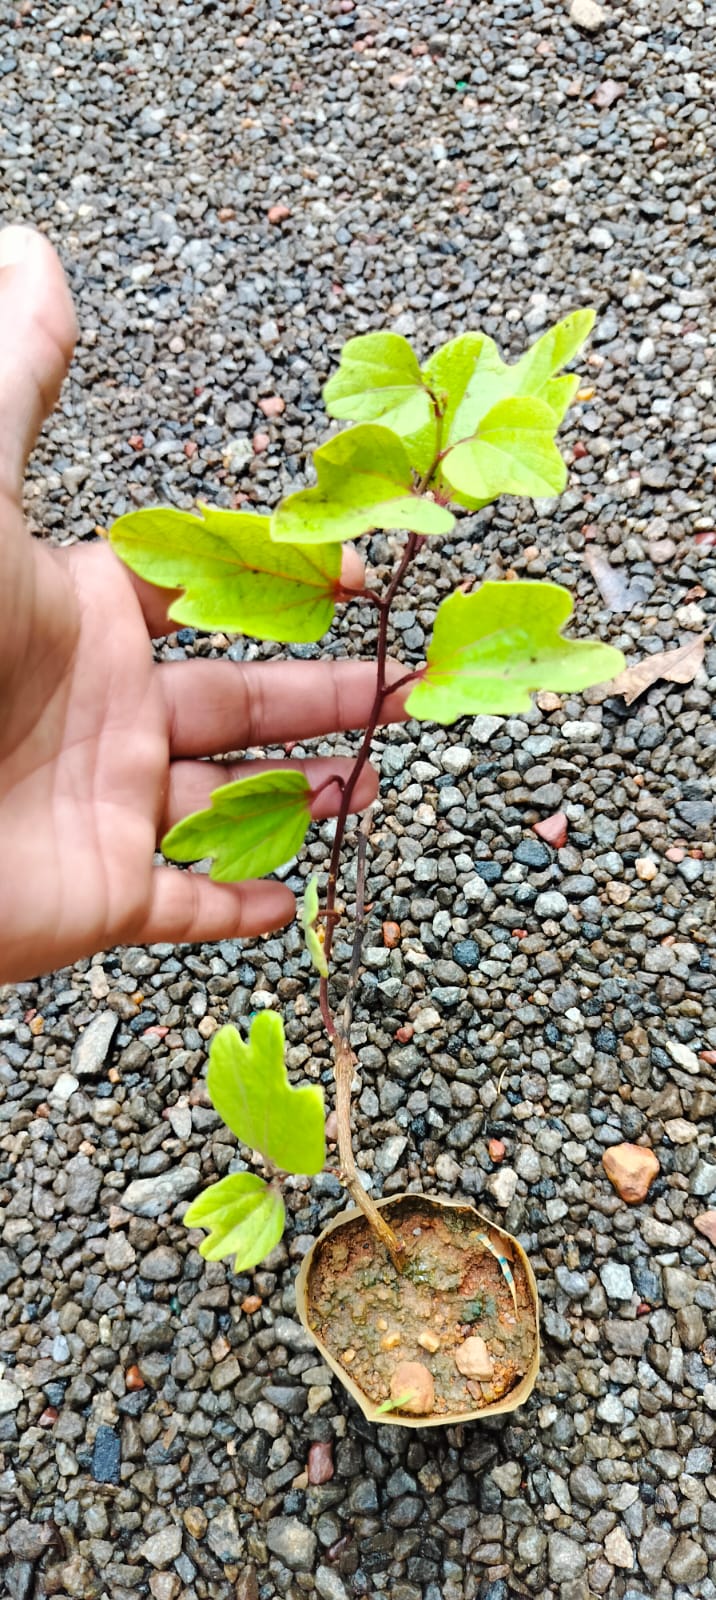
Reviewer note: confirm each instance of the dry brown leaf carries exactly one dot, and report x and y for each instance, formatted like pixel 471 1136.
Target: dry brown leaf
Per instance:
pixel 676 666
pixel 611 582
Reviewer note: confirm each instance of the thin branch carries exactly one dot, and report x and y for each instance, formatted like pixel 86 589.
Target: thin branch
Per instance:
pixel 363 837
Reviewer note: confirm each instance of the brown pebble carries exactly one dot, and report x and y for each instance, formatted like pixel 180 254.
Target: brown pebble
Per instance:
pixel 349 1355
pixel 473 1359
pixel 390 1341
pixel 391 935
pixel 278 213
pixel 133 1378
pixel 48 1417
pixel 496 1150
pixel 250 1304
pixel 429 1341
pixel 646 869
pixel 632 1170
pixel 320 1461
pixel 412 1378
pixel 332 1127
pixel 195 1521
pixel 706 1224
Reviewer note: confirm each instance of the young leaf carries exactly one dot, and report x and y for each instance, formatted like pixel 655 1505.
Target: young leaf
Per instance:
pixel 378 377
pixel 309 916
pixel 231 572
pixel 364 481
pixel 476 378
pixel 244 1218
pixel 491 649
pixel 249 1088
pixel 394 1405
pixel 252 827
pixel 513 452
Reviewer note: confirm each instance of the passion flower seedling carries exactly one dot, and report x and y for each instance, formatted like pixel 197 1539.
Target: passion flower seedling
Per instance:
pixel 429 443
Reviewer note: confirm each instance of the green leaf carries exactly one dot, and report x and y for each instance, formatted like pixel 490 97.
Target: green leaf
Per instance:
pixel 492 649
pixel 558 394
pixel 309 916
pixel 378 377
pixel 231 572
pixel 252 827
pixel 394 1405
pixel 364 482
pixel 249 1088
pixel 476 378
pixel 244 1218
pixel 513 453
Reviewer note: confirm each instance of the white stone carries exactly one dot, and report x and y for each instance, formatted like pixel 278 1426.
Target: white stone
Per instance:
pixel 485 727
pixel 179 1119
pixel 63 1087
pixel 618 1550
pixel 457 759
pixel 502 1185
pixel 426 1019
pixel 587 14
pixel 119 1253
pixel 10 1396
pixel 475 890
pixel 617 1280
pixel 583 731
pixel 683 1056
pixel 162 1547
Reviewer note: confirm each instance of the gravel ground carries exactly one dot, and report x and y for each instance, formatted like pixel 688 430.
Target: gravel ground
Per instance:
pixel 438 168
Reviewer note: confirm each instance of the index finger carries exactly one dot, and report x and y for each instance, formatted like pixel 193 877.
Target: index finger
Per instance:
pixel 215 707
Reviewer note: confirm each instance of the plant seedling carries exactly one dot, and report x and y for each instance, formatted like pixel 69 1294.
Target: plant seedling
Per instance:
pixel 428 444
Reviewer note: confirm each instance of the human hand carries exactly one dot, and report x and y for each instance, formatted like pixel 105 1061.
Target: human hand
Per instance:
pixel 101 749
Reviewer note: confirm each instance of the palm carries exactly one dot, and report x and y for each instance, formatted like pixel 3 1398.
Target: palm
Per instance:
pixel 101 749
pixel 83 772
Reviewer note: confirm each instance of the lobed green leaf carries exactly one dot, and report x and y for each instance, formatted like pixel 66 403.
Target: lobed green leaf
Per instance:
pixel 244 1218
pixel 378 378
pixel 492 649
pixel 252 827
pixel 513 452
pixel 364 482
pixel 249 1088
pixel 231 573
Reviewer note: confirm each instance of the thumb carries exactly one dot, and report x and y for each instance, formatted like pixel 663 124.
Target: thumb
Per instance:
pixel 38 335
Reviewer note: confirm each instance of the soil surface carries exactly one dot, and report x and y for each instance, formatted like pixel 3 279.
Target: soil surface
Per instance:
pixel 373 1318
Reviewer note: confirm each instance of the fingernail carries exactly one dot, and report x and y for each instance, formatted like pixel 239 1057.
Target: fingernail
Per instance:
pixel 15 242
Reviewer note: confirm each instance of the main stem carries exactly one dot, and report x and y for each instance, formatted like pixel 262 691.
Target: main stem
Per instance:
pixel 339 1031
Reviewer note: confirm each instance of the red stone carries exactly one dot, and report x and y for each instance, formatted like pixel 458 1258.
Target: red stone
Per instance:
pixel 133 1378
pixel 391 934
pixel 579 450
pixel 404 1034
pixel 278 213
pixel 496 1150
pixel 252 1303
pixel 272 406
pixel 320 1461
pixel 553 830
pixel 49 1417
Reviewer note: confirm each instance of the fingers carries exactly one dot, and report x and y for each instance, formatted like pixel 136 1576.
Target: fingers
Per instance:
pixel 218 706
pixel 39 330
pixel 155 602
pixel 187 908
pixel 191 784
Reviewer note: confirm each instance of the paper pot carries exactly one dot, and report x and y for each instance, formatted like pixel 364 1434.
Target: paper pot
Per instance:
pixel 370 1407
